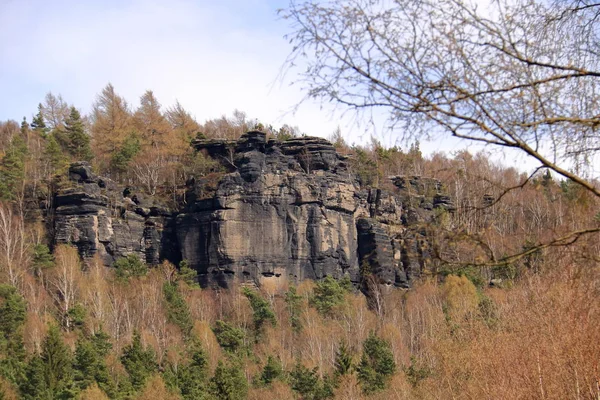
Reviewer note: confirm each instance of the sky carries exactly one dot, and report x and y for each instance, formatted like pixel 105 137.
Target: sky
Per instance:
pixel 211 56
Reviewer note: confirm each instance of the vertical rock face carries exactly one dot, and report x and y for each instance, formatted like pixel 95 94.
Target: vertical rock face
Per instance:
pixel 285 211
pixel 93 214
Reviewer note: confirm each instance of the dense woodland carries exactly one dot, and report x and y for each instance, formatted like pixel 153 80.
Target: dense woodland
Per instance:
pixel 499 316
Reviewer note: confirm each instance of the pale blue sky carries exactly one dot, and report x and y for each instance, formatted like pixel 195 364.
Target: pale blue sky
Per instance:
pixel 212 56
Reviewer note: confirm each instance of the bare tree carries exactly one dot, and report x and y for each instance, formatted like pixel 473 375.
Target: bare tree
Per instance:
pixel 517 74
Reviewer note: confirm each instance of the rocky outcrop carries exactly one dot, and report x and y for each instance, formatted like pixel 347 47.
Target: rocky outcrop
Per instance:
pixel 283 211
pixel 101 218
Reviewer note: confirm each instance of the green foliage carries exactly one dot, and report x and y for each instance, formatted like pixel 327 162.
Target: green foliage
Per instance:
pixel 199 165
pixel 364 167
pixel 229 337
pixel 42 258
pixel 187 274
pixel 178 311
pixel 229 382
pixel 50 375
pixel 343 360
pixel 124 155
pixel 262 312
pixel 38 124
pixel 130 266
pixel 77 315
pixel 78 141
pixel 377 364
pixel 328 295
pixel 308 384
pixel 415 373
pixel 12 318
pixel 294 307
pixel 90 366
pixel 54 156
pixel 139 362
pixel 12 169
pixel 192 379
pixel 271 371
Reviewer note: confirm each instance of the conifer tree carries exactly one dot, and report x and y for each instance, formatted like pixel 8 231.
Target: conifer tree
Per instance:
pixel 57 364
pixel 192 379
pixel 38 124
pixel 271 371
pixel 90 366
pixel 139 362
pixel 178 311
pixel 54 156
pixel 229 382
pixel 343 359
pixel 294 306
pixel 262 313
pixel 229 337
pixel 377 364
pixel 12 169
pixel 78 141
pixel 12 318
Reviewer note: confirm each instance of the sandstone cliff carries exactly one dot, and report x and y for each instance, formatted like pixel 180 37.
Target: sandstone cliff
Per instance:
pixel 284 211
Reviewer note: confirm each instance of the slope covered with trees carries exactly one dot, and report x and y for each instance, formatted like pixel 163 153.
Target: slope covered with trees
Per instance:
pixel 483 324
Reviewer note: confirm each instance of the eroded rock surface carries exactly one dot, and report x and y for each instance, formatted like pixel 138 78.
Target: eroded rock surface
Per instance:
pixel 284 211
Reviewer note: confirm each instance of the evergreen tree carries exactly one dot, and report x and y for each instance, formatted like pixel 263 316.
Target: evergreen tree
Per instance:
pixel 124 155
pixel 377 364
pixel 12 169
pixel 272 370
pixel 308 384
pixel 34 386
pixel 90 366
pixel 78 141
pixel 57 365
pixel 187 274
pixel 229 383
pixel 54 156
pixel 130 266
pixel 12 350
pixel 38 124
pixel 192 379
pixel 328 295
pixel 139 362
pixel 229 337
pixel 262 312
pixel 294 306
pixel 343 360
pixel 178 311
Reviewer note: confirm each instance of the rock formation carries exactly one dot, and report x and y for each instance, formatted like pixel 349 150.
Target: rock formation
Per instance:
pixel 284 211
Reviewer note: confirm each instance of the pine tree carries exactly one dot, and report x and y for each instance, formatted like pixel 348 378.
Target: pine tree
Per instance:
pixel 229 383
pixel 192 379
pixel 343 360
pixel 138 361
pixel 78 141
pixel 229 337
pixel 294 306
pixel 57 364
pixel 178 311
pixel 377 364
pixel 12 169
pixel 271 371
pixel 90 366
pixel 34 386
pixel 38 124
pixel 262 313
pixel 329 295
pixel 54 156
pixel 12 318
pixel 308 384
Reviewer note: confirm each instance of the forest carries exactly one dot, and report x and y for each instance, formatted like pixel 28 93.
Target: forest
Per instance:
pixel 509 311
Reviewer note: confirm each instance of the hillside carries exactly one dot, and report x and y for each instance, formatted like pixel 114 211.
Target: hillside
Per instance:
pixel 146 255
